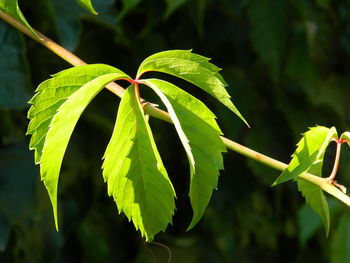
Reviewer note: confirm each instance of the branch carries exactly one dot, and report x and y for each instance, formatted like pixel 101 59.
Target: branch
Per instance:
pixel 323 183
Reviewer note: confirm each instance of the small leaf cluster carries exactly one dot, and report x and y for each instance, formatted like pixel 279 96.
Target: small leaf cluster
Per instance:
pixel 308 157
pixel 132 167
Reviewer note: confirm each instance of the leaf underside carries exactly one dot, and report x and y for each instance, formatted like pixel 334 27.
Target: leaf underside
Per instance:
pixel 57 106
pixel 134 171
pixel 199 125
pixel 193 68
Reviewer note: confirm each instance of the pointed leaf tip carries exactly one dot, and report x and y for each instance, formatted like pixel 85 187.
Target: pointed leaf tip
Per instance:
pixel 310 151
pixel 193 68
pixel 57 106
pixel 87 5
pixel 11 7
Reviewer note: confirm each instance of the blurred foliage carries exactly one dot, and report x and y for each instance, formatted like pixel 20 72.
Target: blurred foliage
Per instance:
pixel 287 64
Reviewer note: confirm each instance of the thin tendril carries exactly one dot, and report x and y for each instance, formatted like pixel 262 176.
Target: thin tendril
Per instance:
pixel 163 246
pixel 149 251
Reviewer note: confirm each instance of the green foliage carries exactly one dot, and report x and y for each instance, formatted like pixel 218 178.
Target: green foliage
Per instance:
pixel 346 136
pixel 11 7
pixel 56 109
pixel 134 171
pixel 51 94
pixel 135 174
pixel 308 157
pixel 192 68
pixel 246 221
pixel 199 126
pixel 309 153
pixel 316 199
pixel 183 138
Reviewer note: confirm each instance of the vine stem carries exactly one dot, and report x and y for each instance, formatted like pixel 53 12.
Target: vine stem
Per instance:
pixel 323 183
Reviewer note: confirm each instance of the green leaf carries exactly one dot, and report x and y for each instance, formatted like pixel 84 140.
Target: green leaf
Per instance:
pixel 309 222
pixel 340 243
pixel 14 92
pixel 56 109
pixel 310 151
pixel 134 171
pixel 308 157
pixel 315 198
pixel 313 194
pixel 60 131
pixel 87 5
pixel 200 127
pixel 193 68
pixel 11 7
pixel 346 136
pixel 51 94
pixel 172 5
pixel 173 116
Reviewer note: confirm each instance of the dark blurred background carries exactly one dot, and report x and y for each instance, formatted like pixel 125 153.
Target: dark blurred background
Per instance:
pixel 288 68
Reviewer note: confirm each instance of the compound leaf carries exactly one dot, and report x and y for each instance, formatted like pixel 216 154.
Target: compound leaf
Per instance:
pixel 134 171
pixel 309 152
pixel 193 68
pixel 11 7
pixel 56 109
pixel 87 5
pixel 200 127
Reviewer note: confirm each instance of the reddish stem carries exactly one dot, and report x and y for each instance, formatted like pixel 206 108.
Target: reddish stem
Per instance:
pixel 131 81
pixel 136 85
pixel 339 142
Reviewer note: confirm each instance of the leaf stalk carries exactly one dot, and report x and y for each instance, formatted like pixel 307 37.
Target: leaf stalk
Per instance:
pixel 336 161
